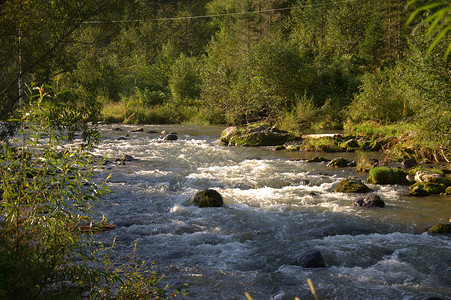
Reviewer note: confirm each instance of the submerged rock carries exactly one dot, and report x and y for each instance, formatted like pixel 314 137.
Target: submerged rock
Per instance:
pixel 352 186
pixel 208 198
pixel 370 201
pixel 310 259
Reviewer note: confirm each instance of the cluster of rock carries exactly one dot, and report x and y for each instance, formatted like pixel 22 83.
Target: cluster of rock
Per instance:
pixel 255 136
pixel 171 136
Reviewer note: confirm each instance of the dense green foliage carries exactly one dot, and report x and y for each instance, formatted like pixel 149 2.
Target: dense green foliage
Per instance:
pixel 298 63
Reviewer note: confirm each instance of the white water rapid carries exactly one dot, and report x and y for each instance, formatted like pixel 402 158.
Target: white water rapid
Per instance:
pixel 276 207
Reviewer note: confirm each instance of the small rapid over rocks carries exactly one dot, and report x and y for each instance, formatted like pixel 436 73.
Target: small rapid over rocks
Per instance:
pixel 276 207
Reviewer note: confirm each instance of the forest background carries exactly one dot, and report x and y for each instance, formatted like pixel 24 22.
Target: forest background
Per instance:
pixel 299 64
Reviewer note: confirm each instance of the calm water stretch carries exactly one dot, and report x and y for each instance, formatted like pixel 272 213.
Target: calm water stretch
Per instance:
pixel 276 208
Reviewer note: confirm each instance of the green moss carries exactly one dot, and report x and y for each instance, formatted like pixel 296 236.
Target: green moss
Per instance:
pixel 429 187
pixel 352 186
pixel 440 228
pixel 384 175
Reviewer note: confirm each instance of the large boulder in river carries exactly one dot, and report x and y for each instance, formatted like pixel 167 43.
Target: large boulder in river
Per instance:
pixel 370 201
pixel 352 186
pixel 208 198
pixel 255 136
pixel 310 259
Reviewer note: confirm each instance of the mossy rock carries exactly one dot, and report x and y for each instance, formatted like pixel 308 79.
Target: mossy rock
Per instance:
pixel 261 138
pixel 208 198
pixel 429 187
pixel 255 136
pixel 448 190
pixel 338 162
pixel 352 186
pixel 440 228
pixel 384 175
pixel 417 191
pixel 279 148
pixel 318 159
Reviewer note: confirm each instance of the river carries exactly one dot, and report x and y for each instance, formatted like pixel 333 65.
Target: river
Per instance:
pixel 277 206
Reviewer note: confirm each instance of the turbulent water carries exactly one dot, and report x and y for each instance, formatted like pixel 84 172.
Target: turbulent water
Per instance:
pixel 276 207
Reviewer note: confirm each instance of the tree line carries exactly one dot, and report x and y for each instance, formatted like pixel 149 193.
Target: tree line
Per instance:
pixel 297 63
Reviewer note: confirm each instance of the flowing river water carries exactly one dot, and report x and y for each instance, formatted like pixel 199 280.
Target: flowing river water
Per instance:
pixel 276 207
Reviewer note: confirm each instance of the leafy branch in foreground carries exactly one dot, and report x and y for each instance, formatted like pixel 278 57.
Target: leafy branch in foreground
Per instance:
pixel 46 195
pixel 439 19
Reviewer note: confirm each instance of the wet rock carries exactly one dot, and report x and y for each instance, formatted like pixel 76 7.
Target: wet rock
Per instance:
pixel 140 129
pixel 318 159
pixel 384 175
pixel 417 191
pixel 280 148
pixel 352 186
pixel 171 137
pixel 338 162
pixel 409 163
pixel 151 131
pixel 448 190
pixel 122 138
pixel 429 187
pixel 310 259
pixel 440 228
pixel 427 176
pixel 370 201
pixel 208 198
pixel 254 136
pixel 227 134
pixel 117 129
pixel 126 158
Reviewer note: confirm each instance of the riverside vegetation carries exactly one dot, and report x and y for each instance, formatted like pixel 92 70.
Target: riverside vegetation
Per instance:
pixel 374 68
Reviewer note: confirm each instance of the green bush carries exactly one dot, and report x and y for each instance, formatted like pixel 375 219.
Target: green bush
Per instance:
pixel 379 100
